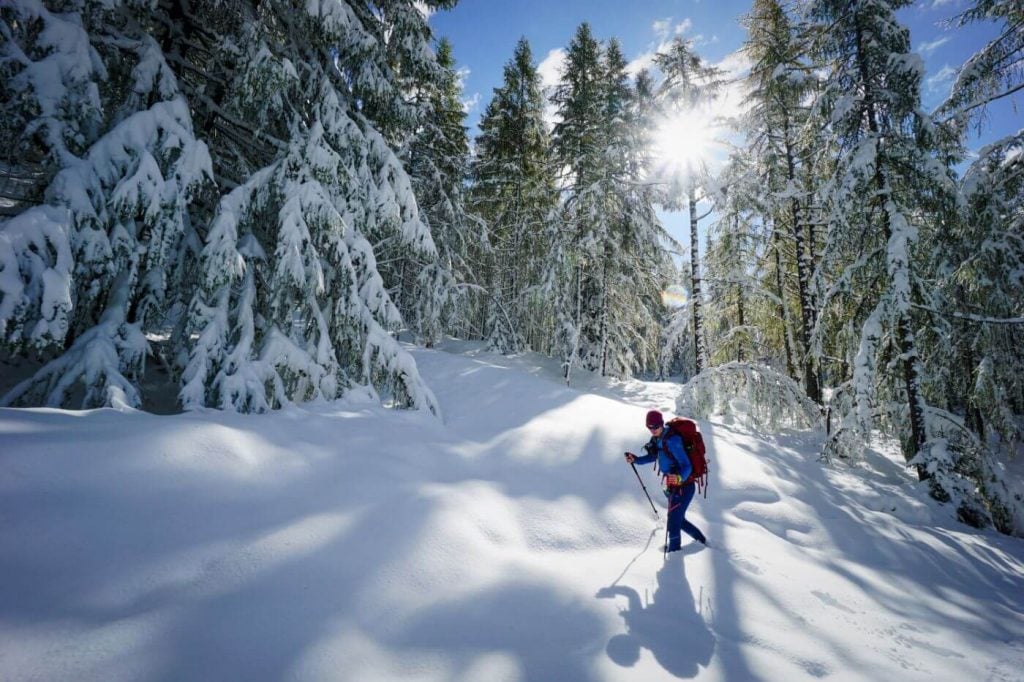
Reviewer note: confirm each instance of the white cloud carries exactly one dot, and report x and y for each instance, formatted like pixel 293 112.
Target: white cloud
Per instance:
pixel 735 65
pixel 644 61
pixel 550 68
pixel 682 27
pixel 550 72
pixel 661 28
pixel 927 48
pixel 944 3
pixel 664 31
pixel 942 79
pixel 470 103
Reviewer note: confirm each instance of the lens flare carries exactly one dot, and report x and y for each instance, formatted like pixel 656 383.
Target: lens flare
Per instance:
pixel 683 141
pixel 674 297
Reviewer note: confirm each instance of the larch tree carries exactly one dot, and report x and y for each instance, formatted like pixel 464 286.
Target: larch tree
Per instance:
pixel 688 85
pixel 888 173
pixel 781 82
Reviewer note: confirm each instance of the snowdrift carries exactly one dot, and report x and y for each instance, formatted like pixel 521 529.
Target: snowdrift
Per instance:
pixel 509 541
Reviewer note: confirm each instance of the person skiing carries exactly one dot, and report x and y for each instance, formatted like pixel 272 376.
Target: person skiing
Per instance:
pixel 666 446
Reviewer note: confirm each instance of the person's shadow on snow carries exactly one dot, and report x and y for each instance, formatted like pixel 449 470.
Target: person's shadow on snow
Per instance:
pixel 669 625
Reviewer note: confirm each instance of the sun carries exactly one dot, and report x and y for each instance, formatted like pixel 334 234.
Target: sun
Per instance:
pixel 682 142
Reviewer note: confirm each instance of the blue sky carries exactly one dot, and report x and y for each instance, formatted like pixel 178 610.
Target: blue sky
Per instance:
pixel 484 32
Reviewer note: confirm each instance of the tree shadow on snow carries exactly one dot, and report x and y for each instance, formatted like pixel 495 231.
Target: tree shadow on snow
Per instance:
pixel 917 559
pixel 669 625
pixel 548 634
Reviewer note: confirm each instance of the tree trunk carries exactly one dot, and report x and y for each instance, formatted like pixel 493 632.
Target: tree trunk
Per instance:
pixel 911 381
pixel 783 313
pixel 741 320
pixel 804 267
pixel 904 335
pixel 698 322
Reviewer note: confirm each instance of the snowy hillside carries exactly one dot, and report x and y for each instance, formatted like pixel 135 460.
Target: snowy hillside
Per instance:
pixel 510 542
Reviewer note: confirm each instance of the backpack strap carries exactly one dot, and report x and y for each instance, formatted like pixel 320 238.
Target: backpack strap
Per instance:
pixel 663 445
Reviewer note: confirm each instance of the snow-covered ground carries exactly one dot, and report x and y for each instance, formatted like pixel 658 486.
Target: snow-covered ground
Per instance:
pixel 510 542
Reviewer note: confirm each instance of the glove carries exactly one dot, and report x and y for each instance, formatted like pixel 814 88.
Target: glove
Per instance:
pixel 673 480
pixel 630 457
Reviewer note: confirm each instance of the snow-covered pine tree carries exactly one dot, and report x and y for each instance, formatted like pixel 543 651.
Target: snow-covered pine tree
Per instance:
pixel 887 174
pixel 751 374
pixel 636 269
pixel 607 307
pixel 579 243
pixel 514 191
pixel 292 305
pixel 645 261
pixel 747 378
pixel 995 72
pixel 972 351
pixel 437 161
pixel 93 110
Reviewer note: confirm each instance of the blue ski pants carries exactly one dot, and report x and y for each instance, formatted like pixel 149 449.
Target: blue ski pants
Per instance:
pixel 678 501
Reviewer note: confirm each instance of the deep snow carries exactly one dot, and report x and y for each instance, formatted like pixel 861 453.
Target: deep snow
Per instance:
pixel 509 542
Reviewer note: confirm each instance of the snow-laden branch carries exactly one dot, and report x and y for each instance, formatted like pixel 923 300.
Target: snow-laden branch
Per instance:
pixel 769 399
pixel 981 319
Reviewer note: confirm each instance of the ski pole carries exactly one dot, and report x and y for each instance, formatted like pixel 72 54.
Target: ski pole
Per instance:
pixel 645 489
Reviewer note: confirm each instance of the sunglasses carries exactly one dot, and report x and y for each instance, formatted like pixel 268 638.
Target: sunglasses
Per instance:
pixel 654 427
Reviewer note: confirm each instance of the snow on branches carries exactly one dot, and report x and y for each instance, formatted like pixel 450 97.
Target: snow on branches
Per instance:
pixel 770 400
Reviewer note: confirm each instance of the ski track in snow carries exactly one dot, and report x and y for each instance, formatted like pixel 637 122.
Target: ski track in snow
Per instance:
pixel 510 542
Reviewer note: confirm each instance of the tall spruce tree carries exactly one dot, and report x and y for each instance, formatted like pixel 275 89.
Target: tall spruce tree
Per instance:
pixel 580 241
pixel 438 163
pixel 609 232
pixel 94 113
pixel 514 191
pixel 292 306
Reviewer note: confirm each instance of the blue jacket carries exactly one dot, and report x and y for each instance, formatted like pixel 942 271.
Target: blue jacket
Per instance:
pixel 678 462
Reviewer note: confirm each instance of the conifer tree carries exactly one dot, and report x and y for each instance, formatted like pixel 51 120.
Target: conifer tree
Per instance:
pixel 87 268
pixel 780 82
pixel 438 163
pixel 688 84
pixel 579 242
pixel 514 192
pixel 607 323
pixel 292 305
pixel 734 253
pixel 974 356
pixel 888 154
